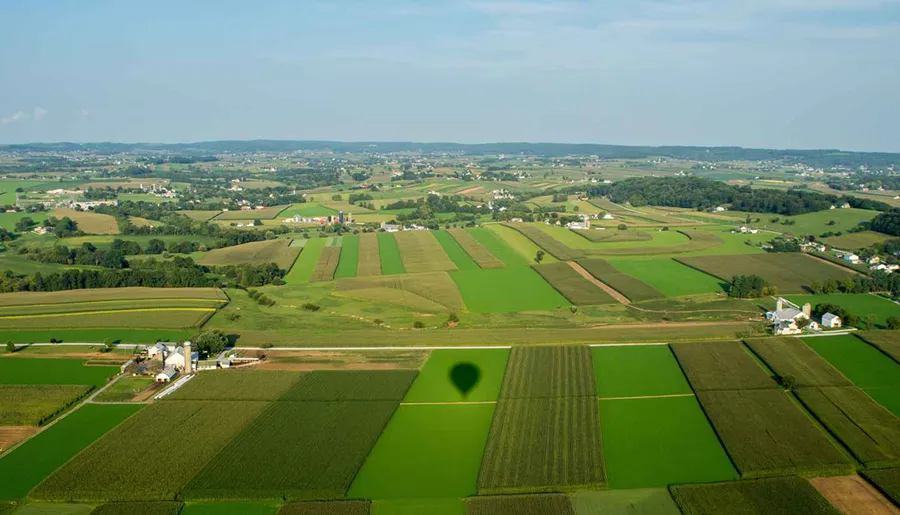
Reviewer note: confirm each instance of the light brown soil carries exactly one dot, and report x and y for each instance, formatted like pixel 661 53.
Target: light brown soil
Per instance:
pixel 854 496
pixel 146 394
pixel 470 190
pixel 598 283
pixel 11 435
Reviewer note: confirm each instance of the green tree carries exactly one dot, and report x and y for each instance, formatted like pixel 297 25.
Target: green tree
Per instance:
pixel 539 256
pixel 893 322
pixel 10 347
pixel 210 342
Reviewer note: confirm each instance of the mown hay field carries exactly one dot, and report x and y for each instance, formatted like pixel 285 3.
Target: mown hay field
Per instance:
pixel 505 290
pixel 416 506
pixel 637 371
pixel 307 209
pixel 543 444
pixel 433 385
pixel 610 236
pixel 655 442
pixel 544 240
pixel 30 463
pixel 146 318
pixel 329 258
pixel 112 470
pixel 633 289
pixel 111 306
pixel 477 251
pixel 88 221
pixel 349 261
pixel 766 433
pixel 546 372
pixel 421 252
pixel 508 245
pixel 670 277
pixel 774 496
pixel 455 252
pixel 434 291
pixel 789 272
pixel 790 357
pixel 236 385
pixel 369 256
pixel 305 264
pixel 100 295
pixel 35 405
pixel 430 451
pixel 268 213
pixel 573 285
pixel 866 428
pixel 279 252
pixel 389 254
pixel 272 462
pixel 721 366
pixel 33 371
pixel 541 504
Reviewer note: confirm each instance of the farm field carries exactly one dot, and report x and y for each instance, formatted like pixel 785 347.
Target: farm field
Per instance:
pixel 229 508
pixel 139 508
pixel 8 220
pixel 860 304
pixel 389 254
pixel 637 371
pixel 29 464
pixel 124 389
pixel 790 357
pixel 309 209
pixel 279 252
pixel 430 451
pixel 490 237
pixel 268 213
pixel 887 480
pixel 655 442
pixel 860 362
pixel 349 260
pixel 766 433
pixel 853 494
pixel 35 405
pixel 146 317
pixel 417 506
pixel 544 240
pixel 200 216
pixel 856 240
pixel 429 292
pixel 305 264
pixel 887 342
pixel 775 496
pixel 350 385
pixel 237 385
pixel 633 289
pixel 433 385
pixel 556 504
pixel 504 290
pixel 670 277
pixel 477 251
pixel 88 221
pixel 789 272
pixel 100 296
pixel 721 366
pixel 549 372
pixel 421 252
pixel 369 256
pixel 124 335
pixel 573 285
pixel 329 257
pixel 816 223
pixel 60 371
pixel 640 501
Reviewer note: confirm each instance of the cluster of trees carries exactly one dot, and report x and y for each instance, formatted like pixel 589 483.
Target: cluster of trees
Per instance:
pixel 60 227
pixel 86 255
pixel 887 223
pixel 359 197
pixel 878 282
pixel 783 245
pixel 252 275
pixel 750 287
pixel 698 193
pixel 261 298
pixel 210 342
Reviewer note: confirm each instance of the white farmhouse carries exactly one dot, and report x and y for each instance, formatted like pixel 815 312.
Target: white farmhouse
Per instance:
pixel 786 316
pixel 177 358
pixel 160 350
pixel 831 321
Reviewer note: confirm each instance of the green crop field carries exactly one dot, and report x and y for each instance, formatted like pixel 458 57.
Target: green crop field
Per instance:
pixel 307 210
pixel 862 363
pixel 138 508
pixel 421 252
pixel 369 256
pixel 329 258
pixel 855 240
pixel 279 252
pixel 95 335
pixel 766 434
pixel 670 277
pixel 54 509
pixel 866 428
pixel 30 463
pixel 273 463
pixel 573 285
pixel 859 304
pixel 544 240
pixel 790 272
pixel 541 372
pixel 268 213
pixel 476 250
pixel 351 385
pixel 431 451
pixel 35 405
pixel 325 508
pixel 887 342
pixel 434 384
pixel 491 240
pixel 389 253
pixel 18 370
pixel 641 501
pixel 305 265
pixel 504 290
pixel 542 504
pixel 633 289
pixel 229 508
pixel 721 366
pixel 887 480
pixel 236 385
pixel 790 357
pixel 349 261
pixel 434 291
pixel 147 318
pixel 8 220
pixel 455 252
pixel 543 444
pixel 816 223
pixel 775 496
pixel 637 371
pixel 655 442
pixel 419 506
pixel 99 296
pixel 124 389
pixel 111 470
pixel 889 397
pixel 610 236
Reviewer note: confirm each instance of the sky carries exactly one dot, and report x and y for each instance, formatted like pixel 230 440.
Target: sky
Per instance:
pixel 752 73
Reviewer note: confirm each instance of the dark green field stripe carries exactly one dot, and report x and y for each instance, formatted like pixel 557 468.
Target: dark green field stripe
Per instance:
pixel 349 258
pixel 498 248
pixel 457 254
pixel 389 253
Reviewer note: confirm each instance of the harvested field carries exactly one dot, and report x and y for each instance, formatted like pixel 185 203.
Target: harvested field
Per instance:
pixel 145 318
pixel 478 252
pixel 279 252
pixel 102 295
pixel 432 385
pixel 766 433
pixel 351 385
pixel 721 366
pixel 539 504
pixel 645 501
pixel 35 405
pixel 389 253
pixel 327 264
pixel 268 213
pixel 852 495
pixel 138 508
pixel 775 496
pixel 790 357
pixel 556 248
pixel 437 289
pixel 349 261
pixel 610 236
pixel 633 289
pixel 111 470
pixel 887 480
pixel 11 435
pixel 505 290
pixel 88 221
pixel 572 285
pixel 326 508
pixel 887 342
pixel 549 372
pixel 236 385
pixel 790 272
pixel 866 428
pixel 369 256
pixel 273 463
pixel 421 252
pixel 455 252
pixel 543 444
pixel 637 371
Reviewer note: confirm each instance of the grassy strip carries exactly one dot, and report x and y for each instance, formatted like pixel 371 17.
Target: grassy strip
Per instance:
pixel 572 285
pixel 721 366
pixel 455 252
pixel 633 289
pixel 609 236
pixel 776 496
pixel 369 256
pixel 389 253
pixel 478 252
pixel 138 508
pixel 349 260
pixel 305 265
pixel 328 263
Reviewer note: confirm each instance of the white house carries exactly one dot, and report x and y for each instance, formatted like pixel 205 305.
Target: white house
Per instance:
pixel 176 358
pixel 166 375
pixel 391 227
pixel 160 349
pixel 786 316
pixel 608 216
pixel 720 209
pixel 853 258
pixel 831 320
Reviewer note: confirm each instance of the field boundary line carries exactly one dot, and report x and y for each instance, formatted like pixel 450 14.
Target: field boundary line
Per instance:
pixel 631 398
pixel 464 403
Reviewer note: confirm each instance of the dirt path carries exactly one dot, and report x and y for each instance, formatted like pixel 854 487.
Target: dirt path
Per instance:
pixel 621 299
pixel 854 496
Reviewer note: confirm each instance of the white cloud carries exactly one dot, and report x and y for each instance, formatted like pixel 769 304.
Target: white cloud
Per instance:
pixel 39 113
pixel 13 118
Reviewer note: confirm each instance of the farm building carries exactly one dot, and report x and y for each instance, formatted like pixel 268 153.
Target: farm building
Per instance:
pixel 166 375
pixel 831 320
pixel 160 349
pixel 787 317
pixel 177 358
pixel 386 227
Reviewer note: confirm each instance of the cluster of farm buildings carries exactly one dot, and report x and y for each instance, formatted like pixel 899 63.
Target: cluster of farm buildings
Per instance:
pixel 789 318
